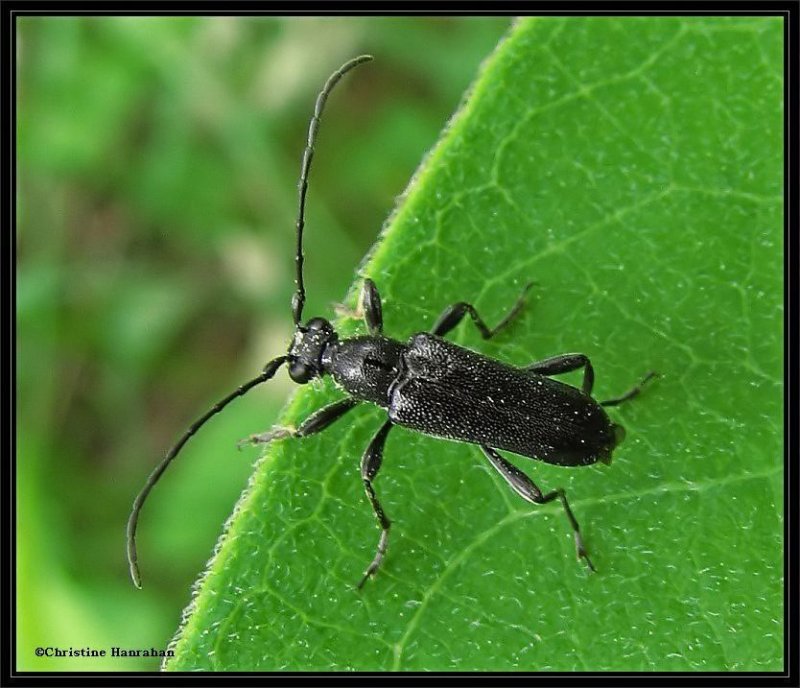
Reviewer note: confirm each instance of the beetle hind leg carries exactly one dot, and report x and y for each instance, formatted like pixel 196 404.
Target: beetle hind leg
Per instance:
pixel 369 308
pixel 566 363
pixel 527 489
pixel 633 392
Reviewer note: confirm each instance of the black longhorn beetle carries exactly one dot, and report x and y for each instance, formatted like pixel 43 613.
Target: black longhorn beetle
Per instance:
pixel 432 386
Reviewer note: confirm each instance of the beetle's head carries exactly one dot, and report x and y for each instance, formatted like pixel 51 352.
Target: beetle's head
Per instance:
pixel 308 345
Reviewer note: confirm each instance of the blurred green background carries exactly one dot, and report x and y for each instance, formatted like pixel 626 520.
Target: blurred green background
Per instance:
pixel 157 170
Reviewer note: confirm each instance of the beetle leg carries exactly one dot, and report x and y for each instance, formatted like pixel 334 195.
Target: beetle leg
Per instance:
pixel 369 308
pixel 370 464
pixel 631 393
pixel 527 489
pixel 316 422
pixel 566 363
pixel 371 305
pixel 454 314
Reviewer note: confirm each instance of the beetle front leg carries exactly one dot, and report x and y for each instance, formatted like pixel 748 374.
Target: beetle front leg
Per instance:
pixel 527 489
pixel 369 307
pixel 316 422
pixel 566 363
pixel 370 464
pixel 454 314
pixel 371 304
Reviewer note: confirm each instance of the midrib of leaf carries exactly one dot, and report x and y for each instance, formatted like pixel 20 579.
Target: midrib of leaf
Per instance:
pixel 466 585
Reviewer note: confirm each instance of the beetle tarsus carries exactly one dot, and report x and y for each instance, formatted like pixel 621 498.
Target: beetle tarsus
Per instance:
pixel 581 552
pixel 277 433
pixel 635 391
pixel 376 562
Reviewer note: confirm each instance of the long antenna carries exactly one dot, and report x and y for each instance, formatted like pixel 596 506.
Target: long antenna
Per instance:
pixel 269 370
pixel 299 298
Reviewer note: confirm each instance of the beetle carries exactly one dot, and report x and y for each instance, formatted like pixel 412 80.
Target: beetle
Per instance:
pixel 432 386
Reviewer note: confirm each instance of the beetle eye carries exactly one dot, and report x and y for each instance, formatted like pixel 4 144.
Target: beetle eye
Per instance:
pixel 300 372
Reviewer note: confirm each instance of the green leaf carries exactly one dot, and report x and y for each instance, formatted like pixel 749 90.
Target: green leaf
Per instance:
pixel 632 168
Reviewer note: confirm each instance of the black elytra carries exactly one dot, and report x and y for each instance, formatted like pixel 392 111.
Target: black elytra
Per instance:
pixel 430 385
